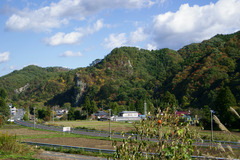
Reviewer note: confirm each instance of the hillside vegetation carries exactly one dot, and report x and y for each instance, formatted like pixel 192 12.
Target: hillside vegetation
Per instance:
pixel 188 78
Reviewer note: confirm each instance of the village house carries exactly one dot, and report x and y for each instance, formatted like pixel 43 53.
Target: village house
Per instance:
pixel 13 110
pixel 61 112
pixel 127 116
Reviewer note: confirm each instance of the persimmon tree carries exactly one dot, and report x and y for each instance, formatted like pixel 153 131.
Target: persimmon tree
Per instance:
pixel 160 136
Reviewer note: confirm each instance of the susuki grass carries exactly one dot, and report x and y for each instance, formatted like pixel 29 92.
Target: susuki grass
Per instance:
pixel 11 144
pixel 224 129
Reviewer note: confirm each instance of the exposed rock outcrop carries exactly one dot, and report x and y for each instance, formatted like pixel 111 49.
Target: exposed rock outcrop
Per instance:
pixel 22 89
pixel 80 89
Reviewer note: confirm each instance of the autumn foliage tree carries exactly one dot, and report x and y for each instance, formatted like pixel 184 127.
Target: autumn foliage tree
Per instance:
pixel 152 141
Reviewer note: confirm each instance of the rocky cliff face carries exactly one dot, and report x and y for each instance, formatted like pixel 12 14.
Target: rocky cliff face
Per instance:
pixel 22 89
pixel 79 90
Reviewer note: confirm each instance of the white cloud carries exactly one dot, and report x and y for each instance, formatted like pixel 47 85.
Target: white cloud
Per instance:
pixel 63 38
pixel 59 13
pixel 151 47
pixel 118 40
pixel 196 23
pixel 71 54
pixel 92 29
pixel 137 36
pixel 115 40
pixel 4 57
pixel 74 37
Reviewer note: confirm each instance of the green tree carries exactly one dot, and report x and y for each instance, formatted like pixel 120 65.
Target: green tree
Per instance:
pixel 132 106
pixel 139 105
pixel 71 115
pixel 25 117
pixel 87 105
pixel 77 115
pixel 41 113
pixel 3 93
pixel 204 115
pixel 224 100
pixel 67 105
pixel 94 107
pixel 4 109
pixel 169 98
pixel 115 108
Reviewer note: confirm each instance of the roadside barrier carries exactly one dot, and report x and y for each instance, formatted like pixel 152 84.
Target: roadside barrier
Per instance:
pixel 106 151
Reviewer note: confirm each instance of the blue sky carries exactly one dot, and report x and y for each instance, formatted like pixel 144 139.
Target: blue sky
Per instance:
pixel 73 33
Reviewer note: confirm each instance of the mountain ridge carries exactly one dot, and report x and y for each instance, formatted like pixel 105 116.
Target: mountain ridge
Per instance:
pixel 193 74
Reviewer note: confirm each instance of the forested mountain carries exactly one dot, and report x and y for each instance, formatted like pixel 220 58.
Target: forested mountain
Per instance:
pixel 125 78
pixel 35 84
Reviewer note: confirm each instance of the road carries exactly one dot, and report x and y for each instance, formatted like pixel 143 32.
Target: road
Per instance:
pixel 19 114
pixel 234 145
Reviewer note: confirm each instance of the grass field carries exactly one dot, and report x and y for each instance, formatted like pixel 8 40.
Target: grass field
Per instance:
pixel 42 136
pixel 127 127
pixel 97 125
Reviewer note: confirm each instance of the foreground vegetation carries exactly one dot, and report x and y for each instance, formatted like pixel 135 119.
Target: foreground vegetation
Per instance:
pixel 177 142
pixel 11 147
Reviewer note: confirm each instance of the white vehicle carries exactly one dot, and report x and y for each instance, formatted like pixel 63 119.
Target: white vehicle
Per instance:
pixel 10 120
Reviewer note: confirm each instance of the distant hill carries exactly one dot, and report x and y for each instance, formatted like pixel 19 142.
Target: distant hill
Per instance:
pixel 127 75
pixel 34 83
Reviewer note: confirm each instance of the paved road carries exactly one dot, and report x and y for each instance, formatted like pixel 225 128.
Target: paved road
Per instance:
pixel 19 114
pixel 105 134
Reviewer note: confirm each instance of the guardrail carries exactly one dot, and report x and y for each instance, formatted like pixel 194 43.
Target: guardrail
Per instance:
pixel 106 151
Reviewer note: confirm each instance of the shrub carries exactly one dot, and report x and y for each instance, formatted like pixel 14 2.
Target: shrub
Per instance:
pixel 11 144
pixel 174 143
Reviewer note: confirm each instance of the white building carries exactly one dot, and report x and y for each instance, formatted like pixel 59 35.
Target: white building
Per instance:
pixel 127 116
pixel 13 110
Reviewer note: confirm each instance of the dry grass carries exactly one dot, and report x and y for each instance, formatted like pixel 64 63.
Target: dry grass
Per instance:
pixel 73 141
pixel 127 127
pixel 25 131
pixel 98 125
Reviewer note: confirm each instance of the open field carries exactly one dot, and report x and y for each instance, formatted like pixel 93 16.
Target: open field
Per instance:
pixel 74 141
pixel 127 127
pixel 28 134
pixel 98 125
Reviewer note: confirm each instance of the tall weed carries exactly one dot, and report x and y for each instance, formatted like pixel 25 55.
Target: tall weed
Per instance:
pixel 12 144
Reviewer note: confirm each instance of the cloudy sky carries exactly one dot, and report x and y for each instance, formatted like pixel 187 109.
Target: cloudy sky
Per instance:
pixel 73 33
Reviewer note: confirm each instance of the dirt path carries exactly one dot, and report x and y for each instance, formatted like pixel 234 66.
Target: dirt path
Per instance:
pixel 47 155
pixel 78 142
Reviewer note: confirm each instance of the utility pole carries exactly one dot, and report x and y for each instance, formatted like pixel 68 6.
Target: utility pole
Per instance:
pixel 53 114
pixel 145 108
pixel 110 123
pixel 28 114
pixel 34 117
pixel 211 125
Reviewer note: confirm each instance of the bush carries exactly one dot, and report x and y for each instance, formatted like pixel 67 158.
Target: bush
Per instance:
pixel 11 144
pixel 174 143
